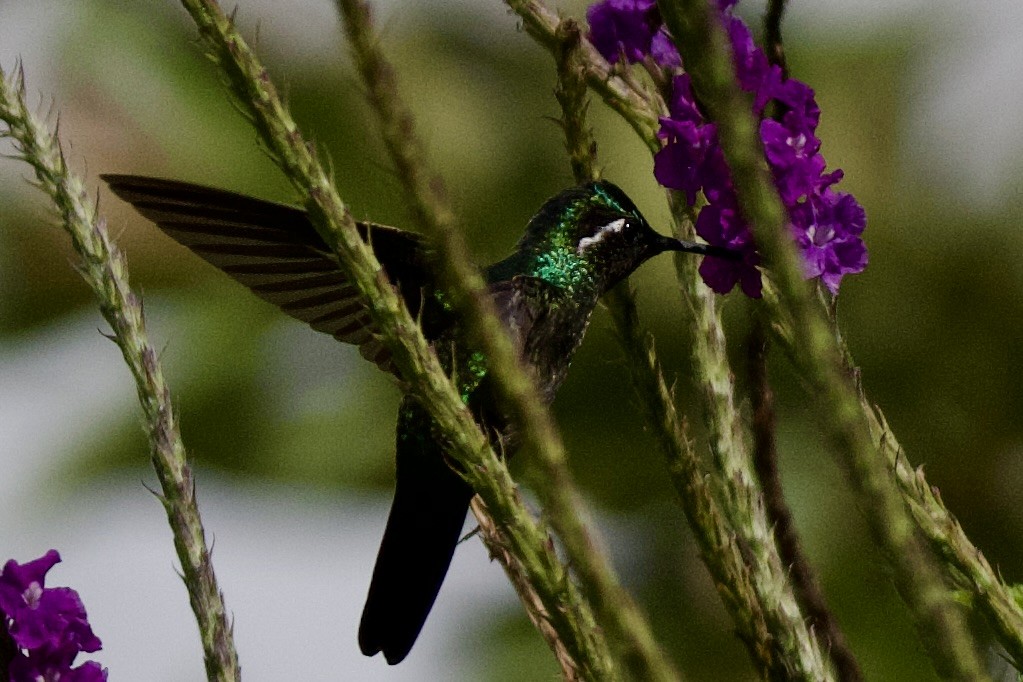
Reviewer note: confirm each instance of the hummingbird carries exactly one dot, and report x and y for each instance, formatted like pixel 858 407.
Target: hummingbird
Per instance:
pixel 581 243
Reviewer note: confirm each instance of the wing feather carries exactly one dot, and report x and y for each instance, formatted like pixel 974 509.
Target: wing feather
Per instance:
pixel 274 250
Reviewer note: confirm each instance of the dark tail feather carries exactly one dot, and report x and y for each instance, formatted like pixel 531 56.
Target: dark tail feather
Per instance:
pixel 430 503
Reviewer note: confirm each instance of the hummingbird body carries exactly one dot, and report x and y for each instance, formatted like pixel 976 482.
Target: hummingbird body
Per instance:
pixel 581 243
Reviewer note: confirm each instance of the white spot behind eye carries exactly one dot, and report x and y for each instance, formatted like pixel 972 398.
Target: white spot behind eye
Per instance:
pixel 587 242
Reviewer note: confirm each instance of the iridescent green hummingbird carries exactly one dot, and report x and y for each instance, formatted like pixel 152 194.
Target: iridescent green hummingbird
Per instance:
pixel 580 244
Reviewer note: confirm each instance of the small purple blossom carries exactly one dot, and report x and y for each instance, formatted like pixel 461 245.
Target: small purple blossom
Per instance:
pixel 632 28
pixel 663 50
pixel 828 228
pixel 623 27
pixel 826 224
pixel 795 160
pixel 680 164
pixel 721 225
pixel 48 626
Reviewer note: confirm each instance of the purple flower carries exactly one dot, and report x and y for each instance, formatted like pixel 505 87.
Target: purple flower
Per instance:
pixel 828 228
pixel 54 666
pixel 826 224
pixel 43 616
pixel 794 158
pixel 623 26
pixel 663 50
pixel 751 64
pixel 48 625
pixel 682 103
pixel 680 163
pixel 721 225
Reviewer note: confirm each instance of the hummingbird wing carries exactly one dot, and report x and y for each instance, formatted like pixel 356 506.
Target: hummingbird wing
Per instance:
pixel 274 250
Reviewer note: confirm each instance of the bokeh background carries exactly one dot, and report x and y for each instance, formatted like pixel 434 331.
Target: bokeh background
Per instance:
pixel 292 433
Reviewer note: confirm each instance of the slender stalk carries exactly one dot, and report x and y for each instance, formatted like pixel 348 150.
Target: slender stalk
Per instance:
pixel 772 33
pixel 967 567
pixel 765 454
pixel 797 649
pixel 765 459
pixel 104 269
pixel 616 612
pixel 716 538
pixel 917 577
pixel 754 586
pixel 622 94
pixel 433 214
pixel 972 572
pixel 497 545
pixel 720 547
pixel 571 93
pixel 414 358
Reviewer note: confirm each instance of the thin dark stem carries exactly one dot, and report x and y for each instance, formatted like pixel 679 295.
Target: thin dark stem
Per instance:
pixel 765 460
pixel 772 34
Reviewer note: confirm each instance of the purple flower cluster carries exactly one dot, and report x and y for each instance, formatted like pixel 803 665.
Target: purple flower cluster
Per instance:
pixel 48 625
pixel 827 225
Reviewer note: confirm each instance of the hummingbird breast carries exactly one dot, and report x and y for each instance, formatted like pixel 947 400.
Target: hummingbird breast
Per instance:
pixel 546 324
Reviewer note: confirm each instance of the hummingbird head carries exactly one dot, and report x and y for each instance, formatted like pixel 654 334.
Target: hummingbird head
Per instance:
pixel 593 236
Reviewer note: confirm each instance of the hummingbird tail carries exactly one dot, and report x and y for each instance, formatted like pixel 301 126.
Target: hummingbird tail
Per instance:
pixel 424 526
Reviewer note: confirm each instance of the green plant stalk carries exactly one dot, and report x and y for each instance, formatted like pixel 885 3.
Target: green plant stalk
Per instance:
pixel 798 653
pixel 715 536
pixel 972 572
pixel 991 594
pixel 616 612
pixel 497 544
pixel 756 589
pixel 414 358
pixel 720 546
pixel 969 569
pixel 432 213
pixel 623 95
pixel 571 93
pixel 916 574
pixel 765 455
pixel 804 580
pixel 103 267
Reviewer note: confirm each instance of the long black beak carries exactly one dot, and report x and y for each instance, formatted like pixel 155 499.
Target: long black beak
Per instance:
pixel 671 244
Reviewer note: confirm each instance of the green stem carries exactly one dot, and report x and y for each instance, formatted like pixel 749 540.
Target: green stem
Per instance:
pixel 582 150
pixel 720 546
pixel 797 651
pixel 616 612
pixel 969 569
pixel 414 358
pixel 752 582
pixel 765 459
pixel 621 94
pixel 916 574
pixel 104 269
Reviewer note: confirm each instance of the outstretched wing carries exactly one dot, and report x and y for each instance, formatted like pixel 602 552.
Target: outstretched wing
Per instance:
pixel 274 250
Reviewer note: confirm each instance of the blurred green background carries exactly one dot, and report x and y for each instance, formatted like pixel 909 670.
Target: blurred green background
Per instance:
pixel 266 403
